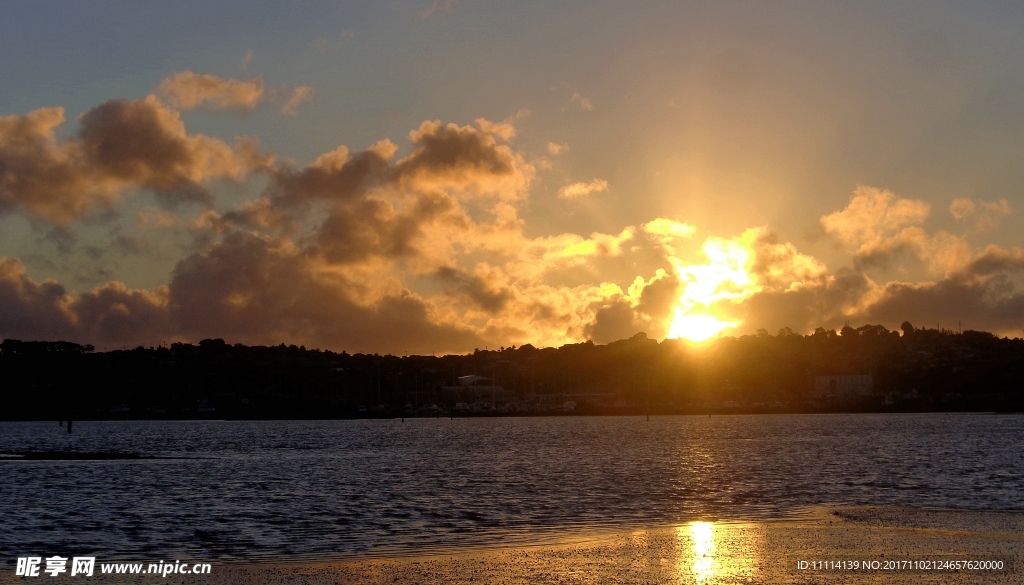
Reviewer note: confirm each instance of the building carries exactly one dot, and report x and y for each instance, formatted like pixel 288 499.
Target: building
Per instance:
pixel 476 389
pixel 843 386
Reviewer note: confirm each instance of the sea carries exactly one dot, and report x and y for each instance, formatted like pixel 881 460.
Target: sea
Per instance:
pixel 250 490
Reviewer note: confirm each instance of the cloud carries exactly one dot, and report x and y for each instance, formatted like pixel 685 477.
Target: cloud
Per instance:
pixel 655 297
pixel 334 176
pixel 259 214
pixel 462 158
pixel 249 289
pixel 994 260
pixel 344 36
pixel 409 209
pixel 827 302
pixel 120 145
pixel 31 310
pixel 779 265
pixel 344 283
pixel 247 60
pixel 583 102
pixel 646 308
pixel 556 149
pixel 981 293
pixel 116 314
pixel 876 222
pixel 613 321
pixel 577 190
pixel 668 233
pixel 477 287
pixel 504 130
pixel 876 226
pixel 264 290
pixel 665 227
pixel 369 251
pixel 330 253
pixel 984 216
pixel 358 230
pixel 298 96
pixel 437 7
pixel 991 304
pixel 50 180
pixel 152 217
pixel 129 245
pixel 143 143
pixel 186 90
pixel 551 252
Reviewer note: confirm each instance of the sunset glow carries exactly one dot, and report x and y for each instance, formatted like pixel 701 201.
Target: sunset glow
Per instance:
pixel 724 278
pixel 696 328
pixel 695 190
pixel 589 292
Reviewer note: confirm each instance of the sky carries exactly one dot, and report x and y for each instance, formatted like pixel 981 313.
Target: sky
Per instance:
pixel 436 176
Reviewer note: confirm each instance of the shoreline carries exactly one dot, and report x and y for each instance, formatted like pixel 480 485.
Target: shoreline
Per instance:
pixel 634 413
pixel 696 552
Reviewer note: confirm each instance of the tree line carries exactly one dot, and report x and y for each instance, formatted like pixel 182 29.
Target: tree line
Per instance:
pixel 911 369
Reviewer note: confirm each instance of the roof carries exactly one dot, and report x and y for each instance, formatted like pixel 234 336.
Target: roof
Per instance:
pixel 472 380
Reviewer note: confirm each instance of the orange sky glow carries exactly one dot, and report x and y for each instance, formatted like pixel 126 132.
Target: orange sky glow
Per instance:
pixel 378 181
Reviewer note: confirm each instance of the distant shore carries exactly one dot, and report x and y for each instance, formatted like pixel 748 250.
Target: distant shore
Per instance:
pixel 864 370
pixel 699 552
pixel 541 414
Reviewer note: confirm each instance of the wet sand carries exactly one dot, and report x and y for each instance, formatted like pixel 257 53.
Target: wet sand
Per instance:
pixel 704 552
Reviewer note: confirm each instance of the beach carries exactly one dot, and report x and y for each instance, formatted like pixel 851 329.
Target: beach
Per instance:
pixel 696 552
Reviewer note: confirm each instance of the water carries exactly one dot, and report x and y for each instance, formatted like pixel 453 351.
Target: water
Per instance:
pixel 260 489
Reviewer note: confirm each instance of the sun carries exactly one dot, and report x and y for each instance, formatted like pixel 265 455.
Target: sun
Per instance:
pixel 709 290
pixel 697 328
pixel 725 277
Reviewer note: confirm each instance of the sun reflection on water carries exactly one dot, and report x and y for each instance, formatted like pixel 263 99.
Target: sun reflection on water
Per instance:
pixel 718 553
pixel 703 535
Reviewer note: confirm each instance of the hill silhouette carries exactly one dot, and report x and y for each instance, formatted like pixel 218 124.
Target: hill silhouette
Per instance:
pixel 868 369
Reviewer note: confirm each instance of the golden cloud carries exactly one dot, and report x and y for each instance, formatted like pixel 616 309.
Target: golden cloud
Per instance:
pixel 577 190
pixel 984 215
pixel 429 252
pixel 186 90
pixel 876 222
pixel 120 145
pixel 298 96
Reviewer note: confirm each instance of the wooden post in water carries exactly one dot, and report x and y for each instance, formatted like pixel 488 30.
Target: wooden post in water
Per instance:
pixel 69 426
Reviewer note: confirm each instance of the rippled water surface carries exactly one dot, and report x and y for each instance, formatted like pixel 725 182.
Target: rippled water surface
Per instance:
pixel 256 489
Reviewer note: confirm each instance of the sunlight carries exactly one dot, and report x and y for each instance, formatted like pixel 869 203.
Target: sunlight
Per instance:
pixel 696 328
pixel 703 535
pixel 726 276
pixel 719 553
